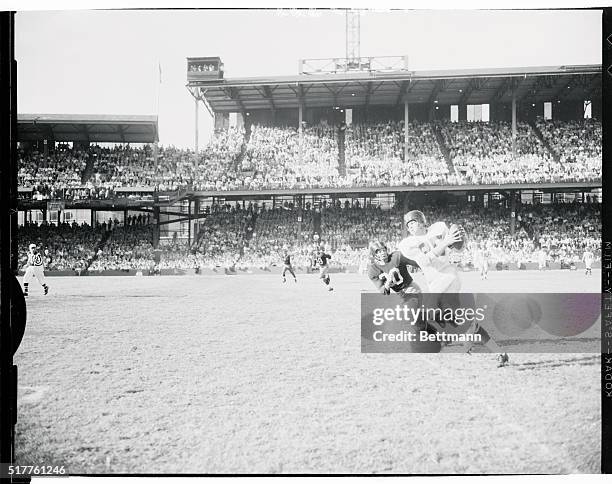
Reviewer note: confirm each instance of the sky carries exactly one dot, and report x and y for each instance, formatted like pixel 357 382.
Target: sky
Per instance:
pixel 107 62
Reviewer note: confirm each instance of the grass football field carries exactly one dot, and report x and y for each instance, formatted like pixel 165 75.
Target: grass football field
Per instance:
pixel 244 374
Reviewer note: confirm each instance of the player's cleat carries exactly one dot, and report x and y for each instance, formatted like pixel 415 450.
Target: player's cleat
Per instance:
pixel 502 360
pixel 284 280
pixel 295 280
pixel 46 290
pixel 331 289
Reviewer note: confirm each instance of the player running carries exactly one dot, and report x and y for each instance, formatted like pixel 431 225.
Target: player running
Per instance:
pixel 588 259
pixel 428 247
pixel 481 259
pixel 288 267
pixel 389 272
pixel 34 270
pixel 542 257
pixel 320 261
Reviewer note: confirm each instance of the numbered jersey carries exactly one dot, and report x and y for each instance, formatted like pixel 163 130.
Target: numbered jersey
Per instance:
pixel 321 260
pixel 417 248
pixel 35 259
pixel 395 270
pixel 287 260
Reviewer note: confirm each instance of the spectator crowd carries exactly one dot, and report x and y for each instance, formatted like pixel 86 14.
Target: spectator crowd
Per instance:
pixel 375 154
pixel 253 236
pixel 66 247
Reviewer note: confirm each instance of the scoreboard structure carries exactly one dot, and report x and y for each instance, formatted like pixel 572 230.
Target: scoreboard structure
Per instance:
pixel 204 69
pixel 200 72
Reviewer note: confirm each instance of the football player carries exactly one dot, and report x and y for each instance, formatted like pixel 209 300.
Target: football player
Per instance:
pixel 428 248
pixel 288 266
pixel 542 256
pixel 320 261
pixel 389 271
pixel 34 270
pixel 482 261
pixel 588 258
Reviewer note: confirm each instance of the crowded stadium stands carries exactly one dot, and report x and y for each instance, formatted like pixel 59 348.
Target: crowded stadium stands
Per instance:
pixel 482 153
pixel 65 246
pixel 577 144
pixel 375 156
pixel 255 237
pixel 128 247
pixel 274 157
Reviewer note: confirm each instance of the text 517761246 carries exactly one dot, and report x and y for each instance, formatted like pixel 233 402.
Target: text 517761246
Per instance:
pixel 39 470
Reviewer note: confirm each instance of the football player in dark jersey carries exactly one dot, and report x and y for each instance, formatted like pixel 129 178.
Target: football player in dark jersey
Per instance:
pixel 320 261
pixel 389 271
pixel 288 267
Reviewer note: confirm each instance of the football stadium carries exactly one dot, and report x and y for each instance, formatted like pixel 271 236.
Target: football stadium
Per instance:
pixel 199 308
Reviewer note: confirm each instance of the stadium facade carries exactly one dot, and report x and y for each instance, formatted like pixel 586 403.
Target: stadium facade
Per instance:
pixel 512 95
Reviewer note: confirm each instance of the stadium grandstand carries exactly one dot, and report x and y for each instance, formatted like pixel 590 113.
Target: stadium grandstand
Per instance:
pixel 294 157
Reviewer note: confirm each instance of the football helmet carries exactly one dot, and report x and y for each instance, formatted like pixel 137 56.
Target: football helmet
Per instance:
pixel 379 251
pixel 415 215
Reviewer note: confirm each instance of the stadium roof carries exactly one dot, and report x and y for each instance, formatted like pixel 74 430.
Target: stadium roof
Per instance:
pixel 87 127
pixel 464 86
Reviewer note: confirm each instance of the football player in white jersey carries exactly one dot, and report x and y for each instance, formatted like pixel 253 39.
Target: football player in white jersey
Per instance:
pixel 34 269
pixel 542 257
pixel 428 248
pixel 481 260
pixel 588 259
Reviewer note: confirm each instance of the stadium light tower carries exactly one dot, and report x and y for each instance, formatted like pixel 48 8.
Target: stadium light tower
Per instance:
pixel 352 61
pixel 353 41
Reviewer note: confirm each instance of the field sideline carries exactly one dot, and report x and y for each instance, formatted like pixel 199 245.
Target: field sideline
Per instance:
pixel 244 374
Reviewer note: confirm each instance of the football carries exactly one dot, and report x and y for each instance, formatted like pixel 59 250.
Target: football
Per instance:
pixel 461 244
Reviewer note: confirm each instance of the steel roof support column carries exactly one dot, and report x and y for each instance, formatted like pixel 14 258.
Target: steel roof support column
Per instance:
pixel 189 225
pixel 196 126
pixel 513 123
pixel 299 200
pixel 196 223
pixel 512 212
pixel 407 207
pixel 406 129
pixel 300 129
pixel 156 229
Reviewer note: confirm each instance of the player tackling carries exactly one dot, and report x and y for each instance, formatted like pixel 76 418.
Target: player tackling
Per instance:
pixel 34 270
pixel 389 272
pixel 428 248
